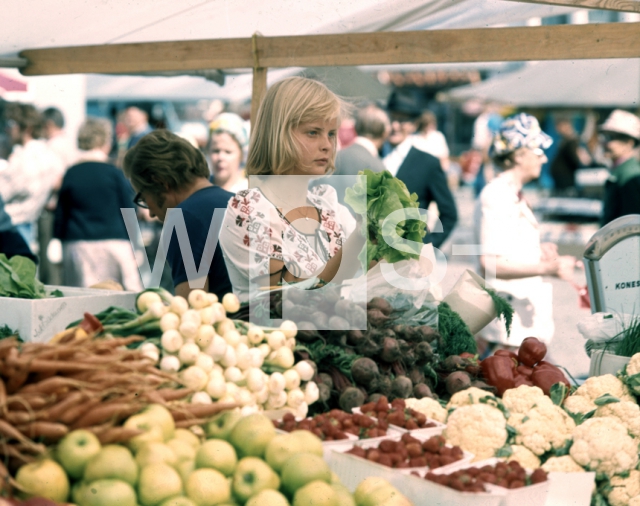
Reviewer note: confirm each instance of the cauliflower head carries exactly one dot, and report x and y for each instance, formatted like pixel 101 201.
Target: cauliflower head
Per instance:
pixel 523 398
pixel 579 404
pixel 624 489
pixel 633 367
pixel 564 464
pixel 525 457
pixel 627 413
pixel 428 407
pixel 596 386
pixel 603 445
pixel 477 428
pixel 635 501
pixel 471 395
pixel 542 428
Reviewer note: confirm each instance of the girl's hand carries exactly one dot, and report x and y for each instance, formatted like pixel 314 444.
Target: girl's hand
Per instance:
pixel 549 251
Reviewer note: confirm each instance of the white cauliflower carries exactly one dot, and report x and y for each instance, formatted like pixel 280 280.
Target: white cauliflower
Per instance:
pixel 564 464
pixel 428 407
pixel 525 457
pixel 627 413
pixel 542 428
pixel 471 395
pixel 604 445
pixel 624 489
pixel 635 501
pixel 596 386
pixel 523 398
pixel 477 428
pixel 633 366
pixel 579 404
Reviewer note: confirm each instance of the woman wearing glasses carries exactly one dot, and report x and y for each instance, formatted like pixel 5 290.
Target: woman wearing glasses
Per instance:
pixel 167 172
pixel 88 220
pixel 507 232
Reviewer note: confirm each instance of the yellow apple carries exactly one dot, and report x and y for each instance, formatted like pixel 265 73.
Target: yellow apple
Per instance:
pixel 153 431
pixel 112 462
pixel 155 453
pixel 157 483
pixel 160 415
pixel 221 425
pixel 367 486
pixel 252 476
pixel 217 454
pixel 309 441
pixel 303 468
pixel 268 497
pixel 182 449
pixel 252 434
pixel 208 487
pixel 108 493
pixel 318 493
pixel 280 448
pixel 188 437
pixel 44 478
pixel 344 497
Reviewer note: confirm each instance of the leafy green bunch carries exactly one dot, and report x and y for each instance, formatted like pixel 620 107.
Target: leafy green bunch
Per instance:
pixel 18 278
pixel 374 201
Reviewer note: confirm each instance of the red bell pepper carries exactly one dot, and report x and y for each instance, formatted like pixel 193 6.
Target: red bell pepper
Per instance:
pixel 524 370
pixel 548 375
pixel 498 371
pixel 531 351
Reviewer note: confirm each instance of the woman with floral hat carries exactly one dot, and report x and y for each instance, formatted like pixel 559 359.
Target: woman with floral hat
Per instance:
pixel 512 259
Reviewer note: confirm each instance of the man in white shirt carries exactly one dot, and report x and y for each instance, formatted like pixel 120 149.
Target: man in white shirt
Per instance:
pixel 32 170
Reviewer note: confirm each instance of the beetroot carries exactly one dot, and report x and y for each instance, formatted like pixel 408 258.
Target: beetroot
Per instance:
pixel 380 304
pixel 457 381
pixel 364 371
pixel 401 387
pixel 390 350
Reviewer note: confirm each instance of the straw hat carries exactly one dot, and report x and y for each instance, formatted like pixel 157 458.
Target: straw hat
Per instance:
pixel 622 122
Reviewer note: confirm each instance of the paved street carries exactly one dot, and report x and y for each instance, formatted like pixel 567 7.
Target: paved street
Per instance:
pixel 567 347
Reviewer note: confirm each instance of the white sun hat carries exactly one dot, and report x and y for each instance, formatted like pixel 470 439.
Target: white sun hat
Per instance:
pixel 622 122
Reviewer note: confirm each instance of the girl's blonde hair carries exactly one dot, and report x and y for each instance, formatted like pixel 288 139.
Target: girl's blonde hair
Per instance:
pixel 287 104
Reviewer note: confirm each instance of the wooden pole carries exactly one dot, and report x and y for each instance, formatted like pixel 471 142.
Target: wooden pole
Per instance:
pixel 258 91
pixel 559 42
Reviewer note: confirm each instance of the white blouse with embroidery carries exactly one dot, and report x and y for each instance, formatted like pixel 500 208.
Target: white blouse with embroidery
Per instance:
pixel 254 231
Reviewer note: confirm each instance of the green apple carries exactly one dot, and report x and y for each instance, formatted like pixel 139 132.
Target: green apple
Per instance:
pixel 182 449
pixel 178 501
pixel 344 497
pixel 217 454
pixel 75 450
pixel 157 483
pixel 208 487
pixel 44 478
pixel 303 468
pixel 268 497
pixel 188 437
pixel 252 476
pixel 280 448
pixel 160 415
pixel 155 453
pixel 309 441
pixel 318 493
pixel 108 493
pixel 221 425
pixel 152 431
pixel 252 434
pixel 368 485
pixel 112 462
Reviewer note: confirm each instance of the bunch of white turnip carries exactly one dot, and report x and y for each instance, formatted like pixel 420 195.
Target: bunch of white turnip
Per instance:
pixel 228 360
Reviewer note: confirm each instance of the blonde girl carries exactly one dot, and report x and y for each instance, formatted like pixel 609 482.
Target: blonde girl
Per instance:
pixel 278 230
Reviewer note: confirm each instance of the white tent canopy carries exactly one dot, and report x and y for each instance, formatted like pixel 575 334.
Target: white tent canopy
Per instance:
pixel 578 83
pixel 73 22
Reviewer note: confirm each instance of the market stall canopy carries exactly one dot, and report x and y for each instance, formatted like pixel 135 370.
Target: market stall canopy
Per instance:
pixel 64 23
pixel 578 83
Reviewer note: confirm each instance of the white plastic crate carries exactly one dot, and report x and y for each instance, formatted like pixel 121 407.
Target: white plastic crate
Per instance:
pixel 38 320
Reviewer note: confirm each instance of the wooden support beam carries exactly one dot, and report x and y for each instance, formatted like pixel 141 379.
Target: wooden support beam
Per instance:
pixel 560 42
pixel 610 5
pixel 259 88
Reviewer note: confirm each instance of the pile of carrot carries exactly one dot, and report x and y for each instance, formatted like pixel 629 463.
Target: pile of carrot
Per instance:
pixel 47 390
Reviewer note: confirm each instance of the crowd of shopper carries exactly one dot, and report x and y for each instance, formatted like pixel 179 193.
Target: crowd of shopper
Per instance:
pixel 278 229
